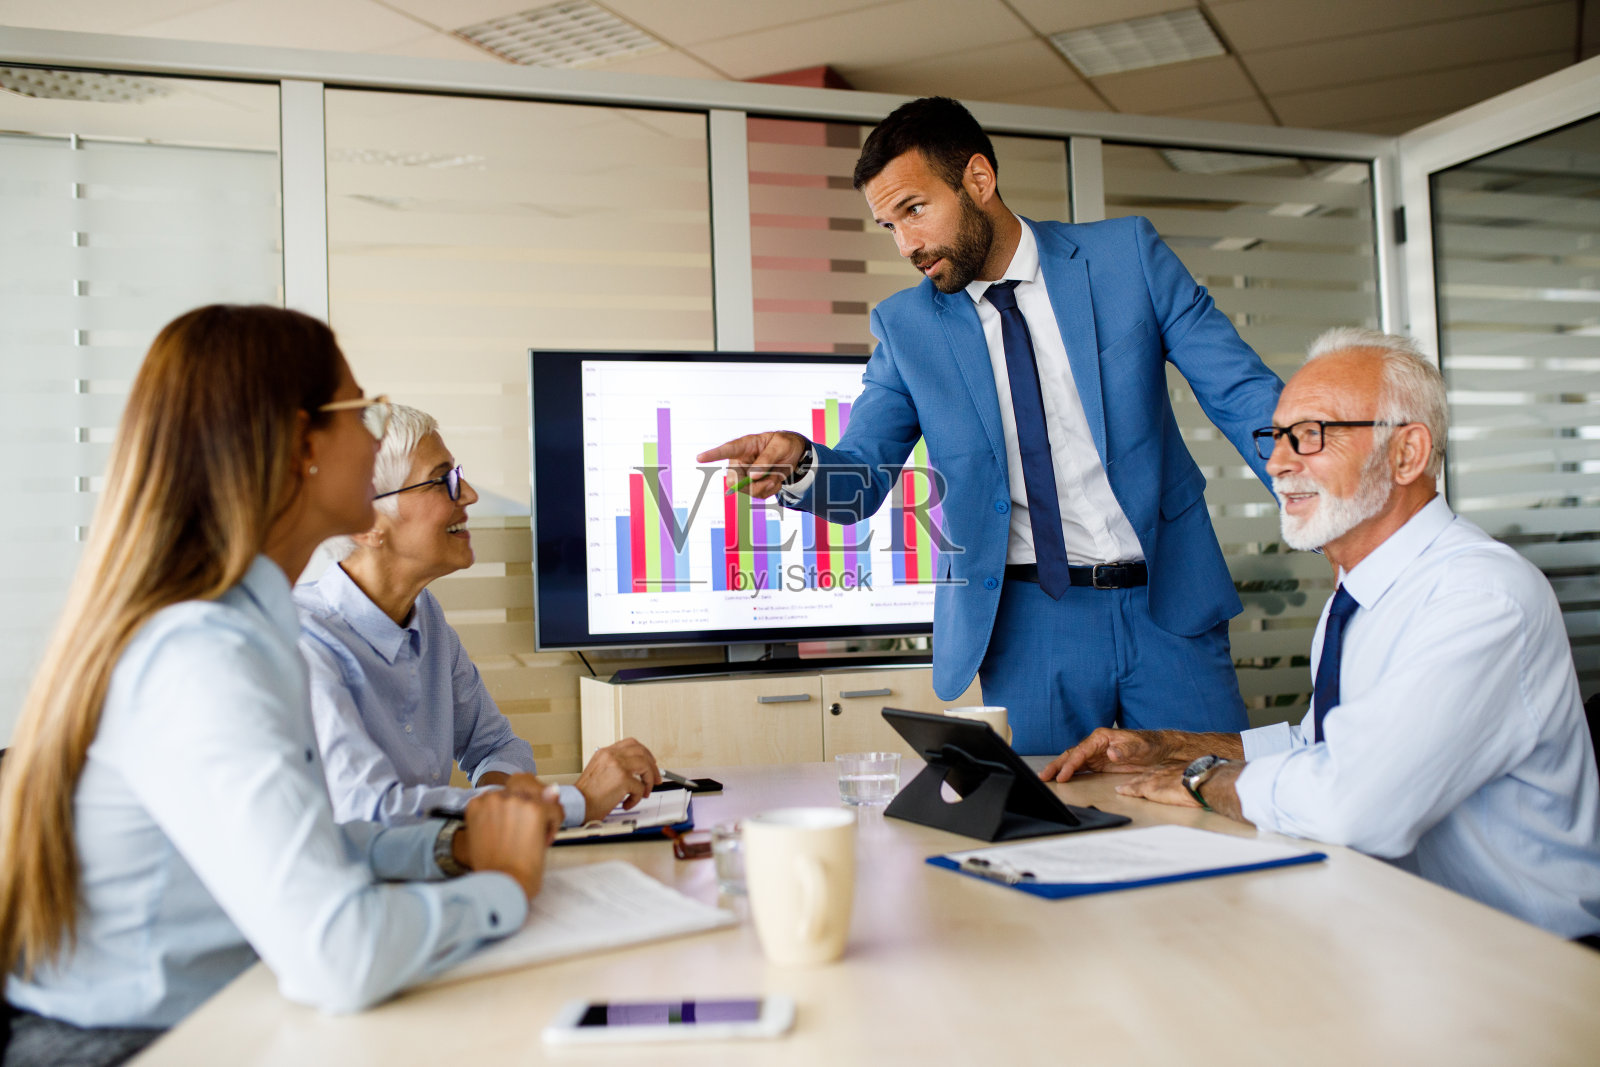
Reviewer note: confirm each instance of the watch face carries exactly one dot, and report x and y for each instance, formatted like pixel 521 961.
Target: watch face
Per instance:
pixel 1201 765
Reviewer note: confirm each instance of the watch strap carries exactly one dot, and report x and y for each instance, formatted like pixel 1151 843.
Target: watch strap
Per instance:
pixel 802 466
pixel 444 856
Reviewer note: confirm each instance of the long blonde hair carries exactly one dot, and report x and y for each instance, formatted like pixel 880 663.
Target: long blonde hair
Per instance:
pixel 202 465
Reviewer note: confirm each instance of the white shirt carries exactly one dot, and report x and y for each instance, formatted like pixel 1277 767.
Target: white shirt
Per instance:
pixel 1459 749
pixel 1092 522
pixel 205 836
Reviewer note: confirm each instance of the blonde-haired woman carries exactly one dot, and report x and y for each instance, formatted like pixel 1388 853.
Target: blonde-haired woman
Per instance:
pixel 163 817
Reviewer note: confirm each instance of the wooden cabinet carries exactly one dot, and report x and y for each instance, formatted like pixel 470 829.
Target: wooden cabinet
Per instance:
pixel 744 719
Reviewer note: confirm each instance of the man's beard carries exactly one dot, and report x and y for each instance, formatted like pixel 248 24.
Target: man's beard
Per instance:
pixel 966 257
pixel 1335 516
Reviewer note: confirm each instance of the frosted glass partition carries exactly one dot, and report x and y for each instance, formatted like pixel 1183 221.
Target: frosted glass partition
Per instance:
pixel 116 215
pixel 819 264
pixel 1517 263
pixel 463 231
pixel 1287 249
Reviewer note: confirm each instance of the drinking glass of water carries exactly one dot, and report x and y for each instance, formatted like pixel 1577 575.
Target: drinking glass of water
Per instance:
pixel 868 777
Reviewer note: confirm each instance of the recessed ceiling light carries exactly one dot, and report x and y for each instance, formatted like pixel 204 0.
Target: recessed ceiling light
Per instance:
pixel 572 34
pixel 78 85
pixel 1114 47
pixel 1198 161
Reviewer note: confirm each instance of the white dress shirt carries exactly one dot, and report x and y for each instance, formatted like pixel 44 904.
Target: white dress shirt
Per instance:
pixel 1092 522
pixel 1459 749
pixel 205 837
pixel 396 705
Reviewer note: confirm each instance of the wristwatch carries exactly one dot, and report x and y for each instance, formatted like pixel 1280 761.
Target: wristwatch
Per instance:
pixel 802 465
pixel 444 856
pixel 1198 773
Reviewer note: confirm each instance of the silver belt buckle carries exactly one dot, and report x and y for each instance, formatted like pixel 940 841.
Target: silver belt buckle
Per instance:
pixel 1094 575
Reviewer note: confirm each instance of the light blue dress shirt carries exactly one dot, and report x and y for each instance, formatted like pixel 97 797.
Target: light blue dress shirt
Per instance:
pixel 205 836
pixel 1459 749
pixel 395 705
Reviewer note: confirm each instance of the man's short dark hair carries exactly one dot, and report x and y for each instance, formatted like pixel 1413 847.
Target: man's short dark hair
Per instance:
pixel 944 131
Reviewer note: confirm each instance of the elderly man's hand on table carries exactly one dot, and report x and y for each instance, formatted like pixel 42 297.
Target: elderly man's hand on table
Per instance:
pixel 1164 785
pixel 1136 751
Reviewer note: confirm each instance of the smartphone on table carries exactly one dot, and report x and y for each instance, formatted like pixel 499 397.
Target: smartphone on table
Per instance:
pixel 590 1021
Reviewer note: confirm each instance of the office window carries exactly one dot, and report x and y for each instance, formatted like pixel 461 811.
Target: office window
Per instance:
pixel 461 233
pixel 1517 262
pixel 1286 247
pixel 819 263
pixel 124 201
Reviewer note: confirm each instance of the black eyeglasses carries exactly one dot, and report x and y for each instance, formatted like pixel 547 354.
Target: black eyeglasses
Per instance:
pixel 1306 438
pixel 450 479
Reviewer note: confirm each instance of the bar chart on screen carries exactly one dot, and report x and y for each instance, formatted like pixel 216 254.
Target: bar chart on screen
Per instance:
pixel 673 543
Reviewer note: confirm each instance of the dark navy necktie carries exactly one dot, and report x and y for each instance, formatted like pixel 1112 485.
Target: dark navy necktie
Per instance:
pixel 1325 695
pixel 1033 441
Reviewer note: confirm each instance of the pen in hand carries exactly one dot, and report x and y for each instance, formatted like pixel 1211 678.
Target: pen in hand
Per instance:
pixel 747 479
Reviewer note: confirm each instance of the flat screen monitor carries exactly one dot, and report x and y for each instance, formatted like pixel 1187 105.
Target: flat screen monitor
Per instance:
pixel 636 544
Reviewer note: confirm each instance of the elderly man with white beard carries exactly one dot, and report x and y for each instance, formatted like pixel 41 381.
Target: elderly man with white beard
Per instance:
pixel 1446 733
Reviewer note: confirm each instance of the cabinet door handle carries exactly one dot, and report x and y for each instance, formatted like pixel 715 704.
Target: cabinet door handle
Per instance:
pixel 855 694
pixel 787 698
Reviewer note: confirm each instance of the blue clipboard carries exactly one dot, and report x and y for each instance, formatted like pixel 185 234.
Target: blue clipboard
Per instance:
pixel 622 829
pixel 1057 890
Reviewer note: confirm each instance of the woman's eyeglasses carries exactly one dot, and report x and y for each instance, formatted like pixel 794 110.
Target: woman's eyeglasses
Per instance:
pixel 450 479
pixel 374 412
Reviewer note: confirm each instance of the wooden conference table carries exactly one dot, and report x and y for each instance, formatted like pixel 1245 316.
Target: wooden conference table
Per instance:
pixel 1348 961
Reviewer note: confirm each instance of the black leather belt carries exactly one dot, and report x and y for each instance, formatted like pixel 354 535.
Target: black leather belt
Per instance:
pixel 1100 576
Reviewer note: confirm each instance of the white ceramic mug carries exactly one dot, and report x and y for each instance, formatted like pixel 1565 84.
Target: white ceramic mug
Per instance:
pixel 800 872
pixel 995 717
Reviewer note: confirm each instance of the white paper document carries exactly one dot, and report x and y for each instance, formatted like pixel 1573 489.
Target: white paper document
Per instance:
pixel 657 809
pixel 1128 855
pixel 587 909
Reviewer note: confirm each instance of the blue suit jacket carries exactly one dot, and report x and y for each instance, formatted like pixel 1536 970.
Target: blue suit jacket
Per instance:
pixel 1126 306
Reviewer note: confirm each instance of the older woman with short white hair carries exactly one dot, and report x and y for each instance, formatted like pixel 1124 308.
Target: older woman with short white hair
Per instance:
pixel 395 696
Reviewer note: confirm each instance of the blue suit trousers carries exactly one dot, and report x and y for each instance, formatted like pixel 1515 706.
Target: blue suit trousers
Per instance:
pixel 1095 658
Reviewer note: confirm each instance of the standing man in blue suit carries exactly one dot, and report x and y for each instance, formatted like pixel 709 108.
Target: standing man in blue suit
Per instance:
pixel 1084 584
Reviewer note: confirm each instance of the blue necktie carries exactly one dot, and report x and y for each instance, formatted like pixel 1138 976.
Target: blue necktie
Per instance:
pixel 1038 473
pixel 1325 695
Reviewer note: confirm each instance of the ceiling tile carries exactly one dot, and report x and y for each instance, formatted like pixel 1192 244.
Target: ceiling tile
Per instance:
pixel 439 45
pixel 1393 125
pixel 1483 38
pixel 336 25
pixel 1200 81
pixel 93 16
pixel 1254 24
pixel 697 21
pixel 1252 111
pixel 972 74
pixel 1447 90
pixel 889 33
pixel 1074 95
pixel 672 63
pixel 1053 16
pixel 459 14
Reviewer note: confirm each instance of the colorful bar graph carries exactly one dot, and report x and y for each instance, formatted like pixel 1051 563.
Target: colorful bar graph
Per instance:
pixel 624 555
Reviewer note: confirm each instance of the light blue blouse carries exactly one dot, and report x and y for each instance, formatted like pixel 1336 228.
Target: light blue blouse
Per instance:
pixel 395 705
pixel 205 837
